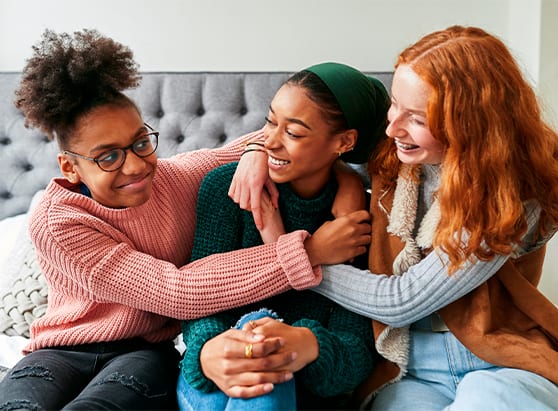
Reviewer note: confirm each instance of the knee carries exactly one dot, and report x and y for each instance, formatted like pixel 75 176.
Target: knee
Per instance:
pixel 31 371
pixel 255 315
pixel 13 397
pixel 484 390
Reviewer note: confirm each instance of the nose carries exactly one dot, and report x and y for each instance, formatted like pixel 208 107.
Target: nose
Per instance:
pixel 271 138
pixel 133 164
pixel 394 127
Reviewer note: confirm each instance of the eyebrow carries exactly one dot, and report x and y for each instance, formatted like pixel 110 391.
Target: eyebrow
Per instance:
pixel 104 147
pixel 417 112
pixel 410 110
pixel 293 120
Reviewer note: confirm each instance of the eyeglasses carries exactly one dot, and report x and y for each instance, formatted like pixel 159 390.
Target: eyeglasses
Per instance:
pixel 112 160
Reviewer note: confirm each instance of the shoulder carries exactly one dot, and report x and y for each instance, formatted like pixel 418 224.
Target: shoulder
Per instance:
pixel 219 177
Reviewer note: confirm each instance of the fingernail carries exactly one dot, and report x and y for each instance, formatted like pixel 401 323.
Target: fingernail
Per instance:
pixel 257 337
pixel 288 376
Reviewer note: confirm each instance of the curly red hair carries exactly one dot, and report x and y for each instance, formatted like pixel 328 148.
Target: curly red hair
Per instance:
pixel 500 152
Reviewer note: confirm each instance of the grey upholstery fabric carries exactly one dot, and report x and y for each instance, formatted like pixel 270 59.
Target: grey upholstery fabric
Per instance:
pixel 191 111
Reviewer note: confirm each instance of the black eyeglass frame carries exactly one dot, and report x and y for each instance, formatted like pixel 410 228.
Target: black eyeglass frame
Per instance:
pixel 124 150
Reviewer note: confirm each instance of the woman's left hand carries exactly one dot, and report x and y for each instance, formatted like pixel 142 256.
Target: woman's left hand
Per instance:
pixel 296 339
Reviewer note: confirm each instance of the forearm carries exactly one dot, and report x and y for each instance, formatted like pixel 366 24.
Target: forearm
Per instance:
pixel 206 286
pixel 423 289
pixel 400 300
pixel 232 151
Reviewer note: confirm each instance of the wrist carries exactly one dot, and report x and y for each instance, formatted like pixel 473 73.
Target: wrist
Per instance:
pixel 253 146
pixel 313 252
pixel 254 143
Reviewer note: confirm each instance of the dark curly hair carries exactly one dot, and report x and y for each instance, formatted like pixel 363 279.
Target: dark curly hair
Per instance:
pixel 68 76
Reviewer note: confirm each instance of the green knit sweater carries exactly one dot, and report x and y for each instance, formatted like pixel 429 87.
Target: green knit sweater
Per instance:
pixel 345 339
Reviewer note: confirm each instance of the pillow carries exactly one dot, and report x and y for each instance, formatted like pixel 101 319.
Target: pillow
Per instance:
pixel 25 299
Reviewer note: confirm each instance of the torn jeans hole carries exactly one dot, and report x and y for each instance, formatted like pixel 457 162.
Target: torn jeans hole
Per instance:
pixel 35 370
pixel 127 381
pixel 19 405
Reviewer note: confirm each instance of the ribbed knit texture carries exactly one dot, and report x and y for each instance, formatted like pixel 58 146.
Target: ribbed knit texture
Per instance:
pixel 112 273
pixel 344 338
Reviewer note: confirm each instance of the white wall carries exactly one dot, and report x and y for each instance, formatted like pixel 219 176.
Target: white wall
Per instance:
pixel 265 35
pixel 245 34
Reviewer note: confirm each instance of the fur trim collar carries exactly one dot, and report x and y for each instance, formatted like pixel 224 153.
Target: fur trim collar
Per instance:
pixel 393 343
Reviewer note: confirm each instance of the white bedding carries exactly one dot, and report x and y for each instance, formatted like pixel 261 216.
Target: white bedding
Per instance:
pixel 10 346
pixel 10 349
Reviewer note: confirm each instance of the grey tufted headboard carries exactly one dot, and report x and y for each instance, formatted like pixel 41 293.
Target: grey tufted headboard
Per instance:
pixel 191 111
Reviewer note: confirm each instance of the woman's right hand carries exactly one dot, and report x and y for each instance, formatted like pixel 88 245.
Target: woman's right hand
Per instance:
pixel 250 179
pixel 223 361
pixel 340 240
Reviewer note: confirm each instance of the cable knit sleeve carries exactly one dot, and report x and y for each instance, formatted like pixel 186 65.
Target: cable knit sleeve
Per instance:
pixel 346 353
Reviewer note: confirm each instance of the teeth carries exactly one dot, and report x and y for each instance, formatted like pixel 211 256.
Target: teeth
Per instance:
pixel 277 162
pixel 405 146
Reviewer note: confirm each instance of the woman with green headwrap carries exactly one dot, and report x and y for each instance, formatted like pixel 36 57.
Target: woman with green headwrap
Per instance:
pixel 320 114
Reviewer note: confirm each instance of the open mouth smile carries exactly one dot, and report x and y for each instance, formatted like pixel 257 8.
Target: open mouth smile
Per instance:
pixel 404 146
pixel 278 162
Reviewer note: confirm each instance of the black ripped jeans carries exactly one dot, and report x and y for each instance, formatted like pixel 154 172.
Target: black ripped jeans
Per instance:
pixel 121 375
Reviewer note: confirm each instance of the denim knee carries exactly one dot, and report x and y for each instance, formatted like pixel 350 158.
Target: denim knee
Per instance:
pixel 505 389
pixel 256 315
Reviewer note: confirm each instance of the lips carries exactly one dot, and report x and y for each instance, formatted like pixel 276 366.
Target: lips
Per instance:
pixel 135 182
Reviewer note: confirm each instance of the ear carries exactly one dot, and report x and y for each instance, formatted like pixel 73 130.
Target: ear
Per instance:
pixel 68 168
pixel 347 141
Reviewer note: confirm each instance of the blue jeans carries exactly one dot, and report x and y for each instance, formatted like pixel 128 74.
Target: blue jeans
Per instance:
pixel 444 375
pixel 121 375
pixel 283 396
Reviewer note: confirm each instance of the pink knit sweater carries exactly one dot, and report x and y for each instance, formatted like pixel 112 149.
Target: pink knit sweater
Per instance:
pixel 119 273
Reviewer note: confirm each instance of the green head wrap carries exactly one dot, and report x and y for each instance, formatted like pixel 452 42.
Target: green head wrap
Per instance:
pixel 364 102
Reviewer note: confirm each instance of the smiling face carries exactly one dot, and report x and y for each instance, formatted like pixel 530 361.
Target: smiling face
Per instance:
pixel 300 143
pixel 408 122
pixel 103 129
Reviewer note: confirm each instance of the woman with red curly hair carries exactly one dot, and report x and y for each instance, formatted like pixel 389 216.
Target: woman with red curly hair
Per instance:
pixel 464 199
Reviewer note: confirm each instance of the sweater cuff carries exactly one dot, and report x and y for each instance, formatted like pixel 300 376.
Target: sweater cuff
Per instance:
pixel 314 374
pixel 190 368
pixel 294 260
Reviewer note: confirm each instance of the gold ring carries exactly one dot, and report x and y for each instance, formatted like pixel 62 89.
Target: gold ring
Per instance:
pixel 248 351
pixel 253 324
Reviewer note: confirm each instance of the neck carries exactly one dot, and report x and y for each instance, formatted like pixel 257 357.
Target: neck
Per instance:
pixel 310 186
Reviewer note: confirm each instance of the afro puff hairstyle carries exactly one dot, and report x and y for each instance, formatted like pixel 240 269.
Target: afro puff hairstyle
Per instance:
pixel 68 76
